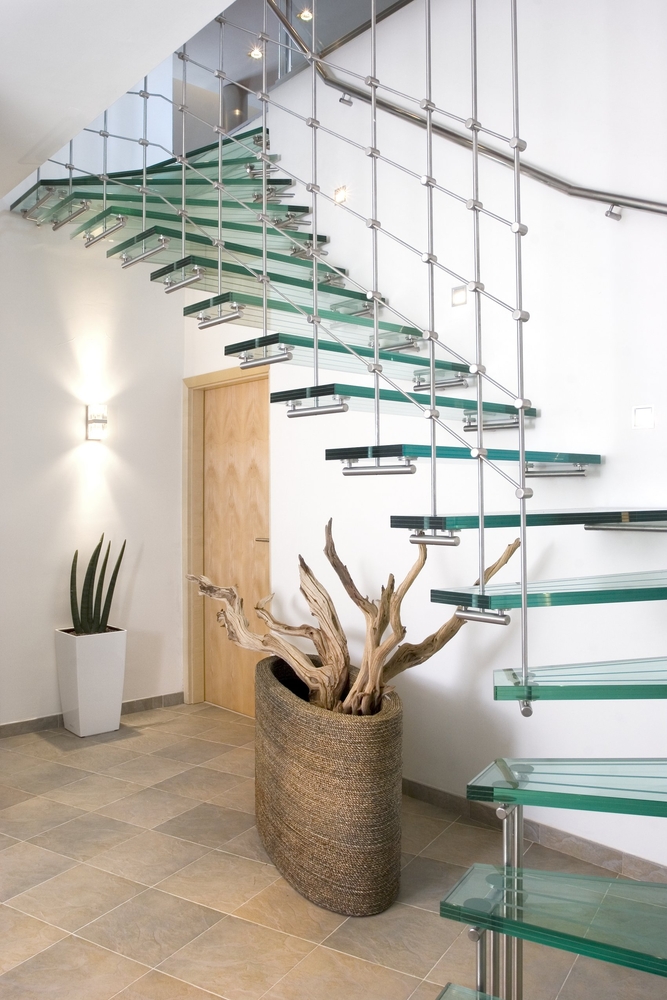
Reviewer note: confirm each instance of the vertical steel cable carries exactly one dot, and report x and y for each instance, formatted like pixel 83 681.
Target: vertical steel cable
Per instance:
pixel 428 108
pixel 105 162
pixel 144 148
pixel 221 43
pixel 70 168
pixel 474 127
pixel 519 231
pixel 265 177
pixel 374 219
pixel 313 113
pixel 184 85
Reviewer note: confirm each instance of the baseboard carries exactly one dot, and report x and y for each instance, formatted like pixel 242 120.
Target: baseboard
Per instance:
pixel 56 721
pixel 625 865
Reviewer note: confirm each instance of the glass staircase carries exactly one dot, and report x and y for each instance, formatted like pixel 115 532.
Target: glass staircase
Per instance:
pixel 611 919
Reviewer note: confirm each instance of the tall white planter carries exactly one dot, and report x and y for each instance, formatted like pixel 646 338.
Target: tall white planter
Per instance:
pixel 91 670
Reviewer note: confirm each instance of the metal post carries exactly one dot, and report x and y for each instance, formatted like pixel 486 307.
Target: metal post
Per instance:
pixel 105 162
pixel 494 947
pixel 374 233
pixel 313 112
pixel 428 107
pixel 479 936
pixel 184 86
pixel 221 44
pixel 144 148
pixel 70 167
pixel 265 180
pixel 517 863
pixel 519 232
pixel 508 858
pixel 473 204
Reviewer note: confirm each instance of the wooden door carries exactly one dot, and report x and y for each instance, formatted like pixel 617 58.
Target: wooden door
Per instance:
pixel 235 529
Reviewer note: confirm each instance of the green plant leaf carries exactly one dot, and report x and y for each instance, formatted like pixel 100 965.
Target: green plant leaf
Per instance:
pixel 97 612
pixel 73 599
pixel 87 592
pixel 112 585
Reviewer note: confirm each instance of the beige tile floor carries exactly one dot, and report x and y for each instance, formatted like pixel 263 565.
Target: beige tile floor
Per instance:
pixel 130 867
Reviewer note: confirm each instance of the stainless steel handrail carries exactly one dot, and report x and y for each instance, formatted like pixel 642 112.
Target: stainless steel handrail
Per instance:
pixel 507 159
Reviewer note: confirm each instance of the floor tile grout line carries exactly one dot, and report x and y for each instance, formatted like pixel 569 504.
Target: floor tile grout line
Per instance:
pixel 569 973
pixel 419 853
pixel 379 965
pixel 29 840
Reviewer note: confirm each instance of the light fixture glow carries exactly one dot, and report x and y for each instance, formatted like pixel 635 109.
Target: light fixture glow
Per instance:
pixel 255 52
pixel 459 295
pixel 96 421
pixel 642 417
pixel 340 195
pixel 305 15
pixel 237 111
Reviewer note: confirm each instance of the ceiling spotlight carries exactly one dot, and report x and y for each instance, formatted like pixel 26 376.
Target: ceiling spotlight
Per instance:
pixel 340 195
pixel 345 99
pixel 255 52
pixel 305 15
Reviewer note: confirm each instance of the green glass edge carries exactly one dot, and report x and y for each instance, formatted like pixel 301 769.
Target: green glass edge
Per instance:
pixel 389 395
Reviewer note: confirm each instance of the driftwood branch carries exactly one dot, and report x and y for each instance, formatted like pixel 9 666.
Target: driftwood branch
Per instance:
pixel 385 653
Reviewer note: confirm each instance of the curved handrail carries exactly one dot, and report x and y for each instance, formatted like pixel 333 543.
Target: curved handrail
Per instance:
pixel 507 159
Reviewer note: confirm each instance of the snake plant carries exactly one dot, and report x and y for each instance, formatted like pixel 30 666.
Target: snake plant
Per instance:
pixel 93 616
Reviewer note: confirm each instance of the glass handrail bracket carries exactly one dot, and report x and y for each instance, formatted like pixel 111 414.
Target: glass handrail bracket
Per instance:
pixel 613 589
pixel 610 919
pixel 635 787
pixel 603 681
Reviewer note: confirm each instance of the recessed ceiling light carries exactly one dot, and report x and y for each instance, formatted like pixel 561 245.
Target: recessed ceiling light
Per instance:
pixel 305 15
pixel 340 195
pixel 255 52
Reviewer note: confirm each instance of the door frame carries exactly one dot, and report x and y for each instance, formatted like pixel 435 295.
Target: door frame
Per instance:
pixel 193 515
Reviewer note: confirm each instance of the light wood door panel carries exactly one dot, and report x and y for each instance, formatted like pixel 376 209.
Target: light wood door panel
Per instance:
pixel 236 514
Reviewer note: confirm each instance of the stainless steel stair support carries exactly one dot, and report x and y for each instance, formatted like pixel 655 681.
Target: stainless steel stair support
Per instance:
pixel 144 150
pixel 508 857
pixel 477 283
pixel 70 166
pixel 105 165
pixel 265 181
pixel 406 468
pixel 523 493
pixel 479 936
pixel 26 212
pixel 184 168
pixel 516 820
pixel 641 526
pixel 375 286
pixel 221 84
pixel 500 156
pixel 446 539
pixel 478 615
pixel 430 259
pixel 314 192
pixel 338 406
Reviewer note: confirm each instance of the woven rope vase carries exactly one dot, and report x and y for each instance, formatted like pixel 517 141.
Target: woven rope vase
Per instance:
pixel 328 794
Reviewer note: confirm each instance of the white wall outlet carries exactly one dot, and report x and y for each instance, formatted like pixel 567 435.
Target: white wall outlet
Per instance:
pixel 642 417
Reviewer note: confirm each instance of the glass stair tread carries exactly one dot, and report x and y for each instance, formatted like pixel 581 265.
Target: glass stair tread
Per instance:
pixel 334 356
pixel 454 992
pixel 131 205
pixel 603 681
pixel 251 235
pixel 635 787
pixel 282 314
pixel 611 589
pixel 536 518
pixel 236 277
pixel 613 920
pixel 355 453
pixel 392 400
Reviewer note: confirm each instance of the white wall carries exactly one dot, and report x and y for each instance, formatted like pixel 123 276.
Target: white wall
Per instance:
pixel 592 83
pixel 75 330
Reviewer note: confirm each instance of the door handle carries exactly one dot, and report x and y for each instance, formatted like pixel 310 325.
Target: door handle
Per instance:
pixel 261 539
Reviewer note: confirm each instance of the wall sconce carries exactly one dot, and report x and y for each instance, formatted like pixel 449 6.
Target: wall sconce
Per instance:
pixel 340 195
pixel 96 421
pixel 459 295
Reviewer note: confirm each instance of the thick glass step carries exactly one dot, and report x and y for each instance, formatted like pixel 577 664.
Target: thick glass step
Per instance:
pixel 198 243
pixel 413 451
pixel 454 992
pixel 131 205
pixel 635 787
pixel 362 397
pixel 613 920
pixel 403 365
pixel 237 278
pixel 535 518
pixel 604 681
pixel 283 316
pixel 612 589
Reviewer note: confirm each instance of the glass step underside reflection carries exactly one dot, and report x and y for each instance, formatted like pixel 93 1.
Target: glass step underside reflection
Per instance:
pixel 538 518
pixel 334 356
pixel 354 454
pixel 362 397
pixel 454 992
pixel 237 278
pixel 604 681
pixel 613 920
pixel 636 787
pixel 283 315
pixel 612 589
